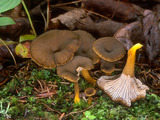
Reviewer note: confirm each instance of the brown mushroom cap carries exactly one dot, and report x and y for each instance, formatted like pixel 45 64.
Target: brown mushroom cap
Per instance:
pixel 55 47
pixel 85 48
pixel 109 49
pixel 107 67
pixel 70 71
pixel 90 91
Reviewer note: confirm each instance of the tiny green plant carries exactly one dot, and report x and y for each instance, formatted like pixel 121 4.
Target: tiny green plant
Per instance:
pixel 4 112
pixel 88 116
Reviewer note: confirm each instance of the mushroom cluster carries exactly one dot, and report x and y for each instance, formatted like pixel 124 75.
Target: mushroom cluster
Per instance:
pixel 124 88
pixel 76 52
pixel 70 51
pixel 109 50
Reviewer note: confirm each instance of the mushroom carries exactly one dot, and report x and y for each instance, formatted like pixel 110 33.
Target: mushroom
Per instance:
pixel 54 48
pixel 124 88
pixel 107 67
pixel 110 50
pixel 86 45
pixel 71 72
pixel 86 50
pixel 90 92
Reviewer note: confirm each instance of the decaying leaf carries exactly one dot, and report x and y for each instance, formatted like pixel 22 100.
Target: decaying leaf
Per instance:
pixel 70 18
pixel 151 33
pixel 86 24
pixel 23 50
pixel 4 53
pixel 106 28
pixel 120 11
pixel 130 34
pixel 14 31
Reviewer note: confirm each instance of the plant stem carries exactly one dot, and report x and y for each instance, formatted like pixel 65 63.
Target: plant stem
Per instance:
pixel 29 17
pixel 9 52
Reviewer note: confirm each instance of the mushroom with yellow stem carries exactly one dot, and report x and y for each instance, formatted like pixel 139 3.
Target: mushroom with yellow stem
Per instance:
pixel 90 92
pixel 86 50
pixel 71 72
pixel 54 48
pixel 124 88
pixel 109 50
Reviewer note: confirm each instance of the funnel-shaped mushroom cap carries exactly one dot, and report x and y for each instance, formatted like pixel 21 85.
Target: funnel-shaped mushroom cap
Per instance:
pixel 107 67
pixel 55 47
pixel 85 48
pixel 90 91
pixel 124 88
pixel 109 49
pixel 71 70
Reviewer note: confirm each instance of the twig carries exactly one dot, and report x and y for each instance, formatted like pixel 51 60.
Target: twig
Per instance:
pixel 49 108
pixel 40 85
pixel 79 111
pixel 60 118
pixel 67 3
pixel 10 52
pixel 98 14
pixel 115 10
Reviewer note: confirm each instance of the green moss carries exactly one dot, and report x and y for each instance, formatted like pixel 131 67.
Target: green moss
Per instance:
pixel 21 88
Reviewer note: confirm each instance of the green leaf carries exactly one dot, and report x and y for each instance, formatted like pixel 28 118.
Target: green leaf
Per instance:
pixel 87 113
pixel 84 118
pixel 26 37
pixel 7 42
pixel 8 4
pixel 6 21
pixel 91 117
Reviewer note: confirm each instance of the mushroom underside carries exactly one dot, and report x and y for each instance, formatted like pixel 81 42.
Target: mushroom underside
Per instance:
pixel 123 89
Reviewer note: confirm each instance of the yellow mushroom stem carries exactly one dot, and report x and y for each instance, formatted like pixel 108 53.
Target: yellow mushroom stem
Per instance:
pixel 108 74
pixel 89 100
pixel 76 92
pixel 129 67
pixel 87 76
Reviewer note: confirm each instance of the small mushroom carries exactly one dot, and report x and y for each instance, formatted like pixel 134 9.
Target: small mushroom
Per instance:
pixel 90 92
pixel 124 88
pixel 71 72
pixel 107 67
pixel 109 50
pixel 54 48
pixel 86 50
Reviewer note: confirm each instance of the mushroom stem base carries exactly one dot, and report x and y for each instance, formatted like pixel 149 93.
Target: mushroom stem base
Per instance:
pixel 76 91
pixel 89 100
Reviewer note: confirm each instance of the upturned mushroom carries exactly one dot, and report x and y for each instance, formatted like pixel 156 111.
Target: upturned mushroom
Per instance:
pixel 54 48
pixel 109 50
pixel 90 92
pixel 71 72
pixel 86 50
pixel 124 88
